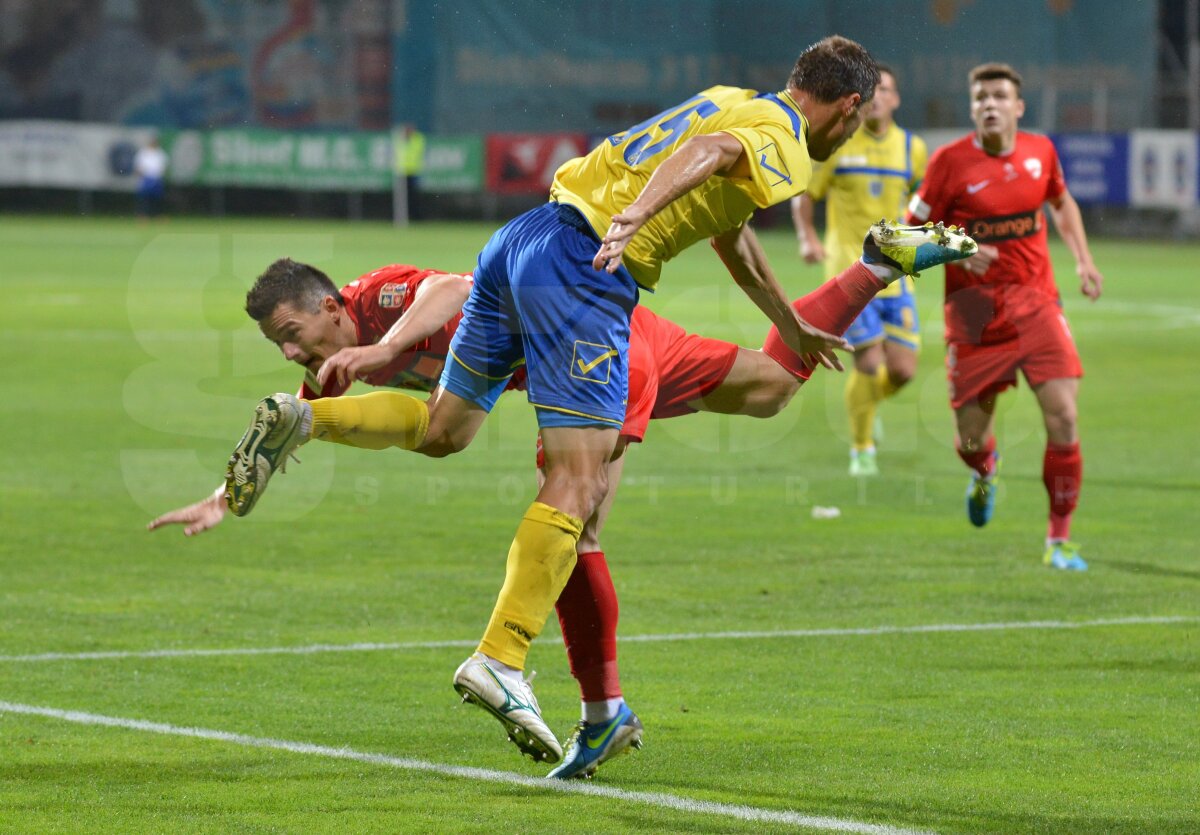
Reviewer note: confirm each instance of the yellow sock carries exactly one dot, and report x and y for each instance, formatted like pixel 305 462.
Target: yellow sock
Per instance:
pixel 884 381
pixel 371 421
pixel 540 561
pixel 862 396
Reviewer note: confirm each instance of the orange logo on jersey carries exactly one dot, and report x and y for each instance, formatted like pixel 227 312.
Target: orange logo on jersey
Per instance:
pixel 392 295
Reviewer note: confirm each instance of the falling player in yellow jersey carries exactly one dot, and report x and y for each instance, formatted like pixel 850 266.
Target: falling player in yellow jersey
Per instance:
pixel 870 177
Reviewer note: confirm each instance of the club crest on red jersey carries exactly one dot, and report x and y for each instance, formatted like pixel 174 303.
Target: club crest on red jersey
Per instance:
pixel 392 295
pixel 1034 166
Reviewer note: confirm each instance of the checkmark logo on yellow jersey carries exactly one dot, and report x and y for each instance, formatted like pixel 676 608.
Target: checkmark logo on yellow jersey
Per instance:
pixel 592 362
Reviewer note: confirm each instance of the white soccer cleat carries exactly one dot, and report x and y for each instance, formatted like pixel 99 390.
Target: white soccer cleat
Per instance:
pixel 272 436
pixel 911 249
pixel 515 707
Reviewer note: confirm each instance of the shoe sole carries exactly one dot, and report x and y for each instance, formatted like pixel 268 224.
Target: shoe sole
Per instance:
pixel 529 744
pixel 244 460
pixel 241 463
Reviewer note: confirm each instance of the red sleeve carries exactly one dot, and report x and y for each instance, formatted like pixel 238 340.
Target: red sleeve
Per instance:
pixel 932 200
pixel 1058 182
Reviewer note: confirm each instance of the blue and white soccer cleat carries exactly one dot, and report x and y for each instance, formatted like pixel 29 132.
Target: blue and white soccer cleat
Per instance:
pixel 911 249
pixel 592 745
pixel 515 706
pixel 273 435
pixel 981 494
pixel 1064 556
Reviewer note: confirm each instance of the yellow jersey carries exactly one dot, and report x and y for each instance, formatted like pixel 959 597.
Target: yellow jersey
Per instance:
pixel 868 178
pixel 773 132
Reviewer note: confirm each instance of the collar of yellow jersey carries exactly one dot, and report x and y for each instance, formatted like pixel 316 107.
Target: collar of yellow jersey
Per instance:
pixel 784 95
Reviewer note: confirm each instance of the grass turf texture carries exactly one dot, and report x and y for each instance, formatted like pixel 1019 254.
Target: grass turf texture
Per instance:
pixel 131 371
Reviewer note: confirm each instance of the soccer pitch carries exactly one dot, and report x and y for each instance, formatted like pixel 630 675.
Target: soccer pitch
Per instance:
pixel 890 670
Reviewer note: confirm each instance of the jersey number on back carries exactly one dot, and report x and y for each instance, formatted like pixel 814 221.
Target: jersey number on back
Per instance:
pixel 672 122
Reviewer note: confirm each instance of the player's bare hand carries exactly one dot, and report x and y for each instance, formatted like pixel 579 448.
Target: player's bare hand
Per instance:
pixel 624 226
pixel 813 252
pixel 196 518
pixel 816 347
pixel 1090 280
pixel 979 263
pixel 350 364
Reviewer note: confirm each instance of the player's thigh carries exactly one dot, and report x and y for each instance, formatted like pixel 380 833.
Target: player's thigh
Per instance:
pixel 901 360
pixel 979 372
pixel 576 472
pixel 755 385
pixel 1058 400
pixel 868 357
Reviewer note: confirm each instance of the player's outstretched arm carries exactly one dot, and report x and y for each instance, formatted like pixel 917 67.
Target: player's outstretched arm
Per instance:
pixel 743 256
pixel 811 248
pixel 692 163
pixel 437 300
pixel 196 518
pixel 1069 221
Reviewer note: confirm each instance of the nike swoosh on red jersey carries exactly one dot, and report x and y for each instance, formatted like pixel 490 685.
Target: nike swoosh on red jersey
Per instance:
pixel 974 187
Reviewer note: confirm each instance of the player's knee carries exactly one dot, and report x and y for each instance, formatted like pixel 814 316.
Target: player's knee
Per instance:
pixel 901 376
pixel 1060 424
pixel 443 445
pixel 773 400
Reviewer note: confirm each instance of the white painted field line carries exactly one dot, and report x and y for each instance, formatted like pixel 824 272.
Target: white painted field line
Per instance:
pixel 660 800
pixel 312 649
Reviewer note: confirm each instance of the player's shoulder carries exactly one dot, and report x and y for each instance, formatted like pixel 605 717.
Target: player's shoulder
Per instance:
pixel 386 287
pixel 961 147
pixel 1034 142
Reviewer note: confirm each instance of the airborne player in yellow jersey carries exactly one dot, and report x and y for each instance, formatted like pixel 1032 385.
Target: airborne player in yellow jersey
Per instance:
pixel 554 291
pixel 870 177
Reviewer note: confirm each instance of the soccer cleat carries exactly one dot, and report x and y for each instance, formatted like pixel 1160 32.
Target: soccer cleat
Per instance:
pixel 592 745
pixel 1064 555
pixel 863 463
pixel 517 709
pixel 911 249
pixel 273 435
pixel 981 494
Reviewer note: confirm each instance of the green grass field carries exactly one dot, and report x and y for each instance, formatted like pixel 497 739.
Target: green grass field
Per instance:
pixel 130 370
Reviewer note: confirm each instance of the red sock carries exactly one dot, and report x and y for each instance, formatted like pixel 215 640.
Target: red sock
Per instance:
pixel 1062 473
pixel 587 613
pixel 982 460
pixel 832 307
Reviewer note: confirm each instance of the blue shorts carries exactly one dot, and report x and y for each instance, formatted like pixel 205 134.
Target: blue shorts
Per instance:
pixel 537 301
pixel 891 317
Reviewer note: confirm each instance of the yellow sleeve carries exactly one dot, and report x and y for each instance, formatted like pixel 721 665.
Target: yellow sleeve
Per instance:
pixel 779 164
pixel 920 159
pixel 822 178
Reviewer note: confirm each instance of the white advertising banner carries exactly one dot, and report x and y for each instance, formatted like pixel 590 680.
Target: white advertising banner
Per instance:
pixel 1162 169
pixel 69 155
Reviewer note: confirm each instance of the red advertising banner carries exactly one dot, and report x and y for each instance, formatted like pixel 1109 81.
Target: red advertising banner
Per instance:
pixel 524 163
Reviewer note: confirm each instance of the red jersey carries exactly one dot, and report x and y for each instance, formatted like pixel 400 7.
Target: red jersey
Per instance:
pixel 374 302
pixel 998 200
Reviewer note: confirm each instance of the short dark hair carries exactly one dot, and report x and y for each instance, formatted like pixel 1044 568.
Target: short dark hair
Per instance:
pixel 301 285
pixel 993 71
pixel 887 68
pixel 833 68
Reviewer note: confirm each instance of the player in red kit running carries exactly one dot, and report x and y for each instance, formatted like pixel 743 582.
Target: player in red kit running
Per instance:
pixel 1003 310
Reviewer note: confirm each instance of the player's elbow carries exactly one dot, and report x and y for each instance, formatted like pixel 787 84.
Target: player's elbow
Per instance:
pixel 773 399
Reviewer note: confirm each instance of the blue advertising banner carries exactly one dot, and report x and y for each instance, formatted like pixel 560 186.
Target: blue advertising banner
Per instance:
pixel 1096 166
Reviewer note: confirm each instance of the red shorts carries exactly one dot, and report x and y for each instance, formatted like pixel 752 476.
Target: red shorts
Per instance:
pixel 668 368
pixel 1043 350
